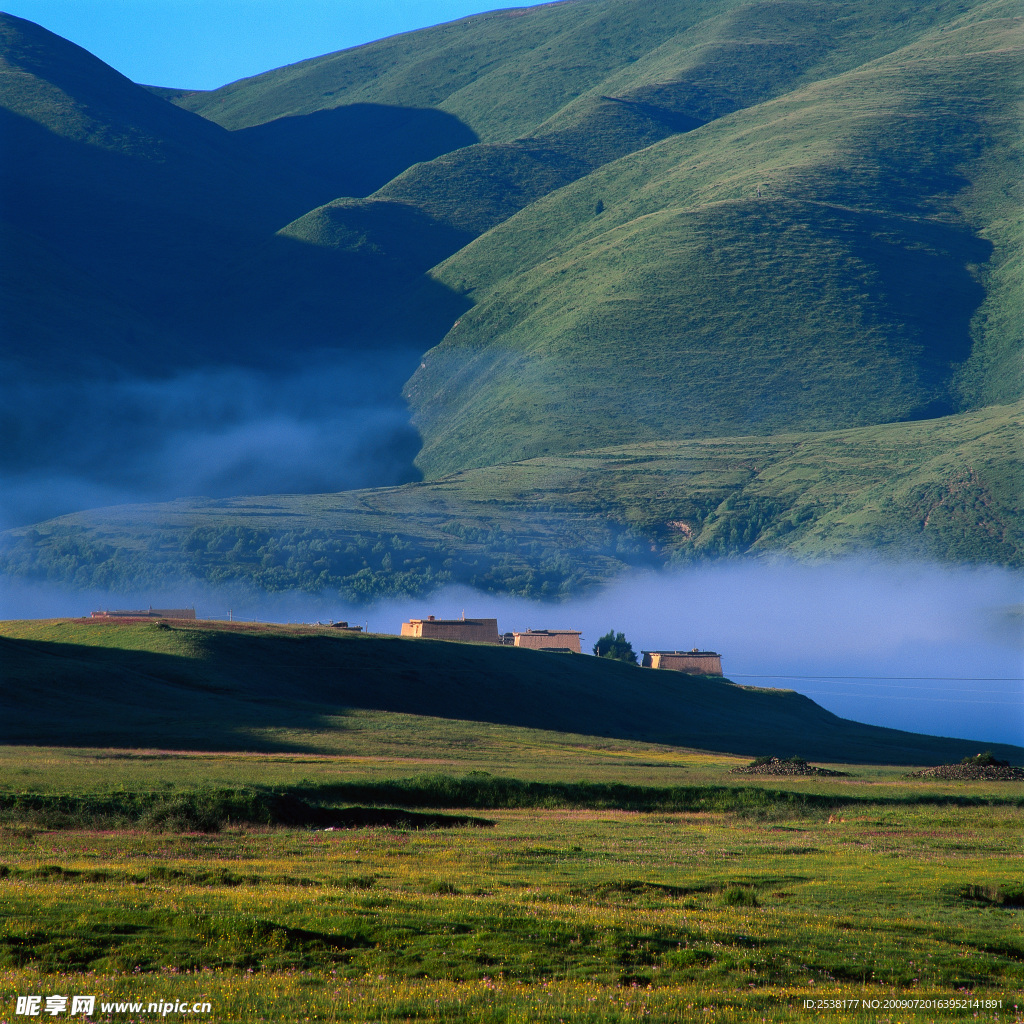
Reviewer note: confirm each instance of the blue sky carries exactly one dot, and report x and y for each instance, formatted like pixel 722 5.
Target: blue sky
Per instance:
pixel 201 44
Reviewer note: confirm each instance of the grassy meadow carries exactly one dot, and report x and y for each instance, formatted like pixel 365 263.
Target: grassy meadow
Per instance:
pixel 883 888
pixel 276 826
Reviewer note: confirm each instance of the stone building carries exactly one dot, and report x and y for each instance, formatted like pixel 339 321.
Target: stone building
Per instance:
pixel 696 663
pixel 549 640
pixel 480 631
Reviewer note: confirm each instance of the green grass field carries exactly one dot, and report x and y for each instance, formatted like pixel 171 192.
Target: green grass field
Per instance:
pixel 558 913
pixel 263 818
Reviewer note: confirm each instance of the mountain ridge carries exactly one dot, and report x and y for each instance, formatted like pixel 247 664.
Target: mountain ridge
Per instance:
pixel 587 224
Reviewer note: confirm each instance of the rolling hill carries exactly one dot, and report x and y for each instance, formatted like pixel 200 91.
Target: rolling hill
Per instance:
pixel 581 227
pixel 840 256
pixel 229 687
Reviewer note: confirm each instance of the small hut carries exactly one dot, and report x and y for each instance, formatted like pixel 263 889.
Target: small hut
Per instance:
pixel 695 662
pixel 480 631
pixel 549 640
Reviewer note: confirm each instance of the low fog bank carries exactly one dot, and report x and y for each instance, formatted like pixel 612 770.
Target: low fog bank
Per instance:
pixel 919 647
pixel 324 425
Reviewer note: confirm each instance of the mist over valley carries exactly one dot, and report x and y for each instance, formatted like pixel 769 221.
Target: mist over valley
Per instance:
pixel 325 424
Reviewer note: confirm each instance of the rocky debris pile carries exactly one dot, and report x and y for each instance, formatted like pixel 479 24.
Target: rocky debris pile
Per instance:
pixel 987 772
pixel 776 766
pixel 982 766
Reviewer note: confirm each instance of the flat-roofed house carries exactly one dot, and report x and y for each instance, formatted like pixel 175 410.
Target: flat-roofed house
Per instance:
pixel 479 631
pixel 695 662
pixel 549 640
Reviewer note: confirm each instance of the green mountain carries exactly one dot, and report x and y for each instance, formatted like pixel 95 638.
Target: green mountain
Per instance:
pixel 581 228
pixel 734 218
pixel 142 237
pixel 846 254
pixel 105 191
pixel 236 687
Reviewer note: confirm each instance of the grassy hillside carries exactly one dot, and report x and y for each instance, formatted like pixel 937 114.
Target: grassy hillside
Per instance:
pixel 550 527
pixel 576 85
pixel 687 64
pixel 646 223
pixel 839 256
pixel 117 205
pixel 223 687
pixel 478 119
pixel 95 170
pixel 501 73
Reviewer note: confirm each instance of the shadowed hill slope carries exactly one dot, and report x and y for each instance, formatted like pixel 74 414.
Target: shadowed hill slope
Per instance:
pixel 165 685
pixel 147 302
pixel 96 170
pixel 150 232
pixel 356 148
pixel 838 256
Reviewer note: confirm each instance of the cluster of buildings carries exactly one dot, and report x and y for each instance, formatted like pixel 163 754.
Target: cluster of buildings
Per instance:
pixel 484 631
pixel 560 641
